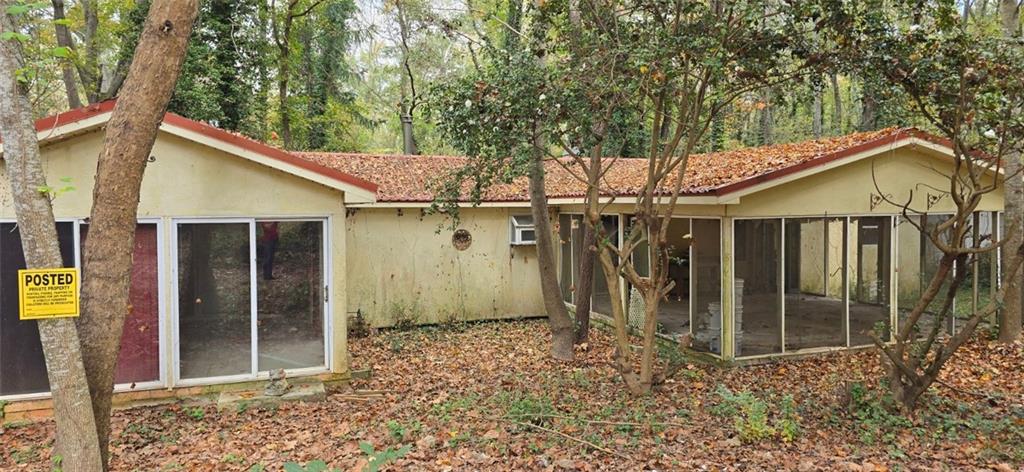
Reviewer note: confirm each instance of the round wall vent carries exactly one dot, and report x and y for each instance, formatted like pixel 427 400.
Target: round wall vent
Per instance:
pixel 462 239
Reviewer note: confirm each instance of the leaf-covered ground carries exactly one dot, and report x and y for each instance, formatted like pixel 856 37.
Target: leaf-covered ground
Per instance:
pixel 486 397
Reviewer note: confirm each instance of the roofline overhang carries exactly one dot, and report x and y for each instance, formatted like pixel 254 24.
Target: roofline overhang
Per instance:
pixel 92 117
pixel 707 199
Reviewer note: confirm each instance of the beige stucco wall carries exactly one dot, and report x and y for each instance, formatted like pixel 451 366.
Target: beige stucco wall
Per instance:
pixel 401 267
pixel 190 180
pixel 847 189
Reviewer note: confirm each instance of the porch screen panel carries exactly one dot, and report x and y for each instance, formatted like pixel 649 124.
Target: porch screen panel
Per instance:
pixel 565 256
pixel 674 312
pixel 814 314
pixel 918 263
pixel 869 279
pixel 139 357
pixel 707 273
pixel 602 299
pixel 22 366
pixel 214 300
pixel 576 236
pixel 290 294
pixel 977 288
pixel 757 285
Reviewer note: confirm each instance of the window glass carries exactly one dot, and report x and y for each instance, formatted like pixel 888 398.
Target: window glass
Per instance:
pixel 290 294
pixel 139 358
pixel 214 300
pixel 22 366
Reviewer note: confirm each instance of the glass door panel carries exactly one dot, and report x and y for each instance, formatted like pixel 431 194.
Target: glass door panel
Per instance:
pixel 139 357
pixel 290 294
pixel 214 299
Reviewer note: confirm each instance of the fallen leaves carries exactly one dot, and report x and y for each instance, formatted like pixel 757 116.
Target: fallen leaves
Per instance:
pixel 447 392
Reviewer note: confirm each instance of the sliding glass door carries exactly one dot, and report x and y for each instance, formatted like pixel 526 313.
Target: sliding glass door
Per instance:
pixel 250 297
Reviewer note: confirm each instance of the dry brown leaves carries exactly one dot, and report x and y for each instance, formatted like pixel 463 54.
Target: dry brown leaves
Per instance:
pixel 444 388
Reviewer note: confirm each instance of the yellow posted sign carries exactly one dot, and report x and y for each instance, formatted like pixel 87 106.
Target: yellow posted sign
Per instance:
pixel 48 293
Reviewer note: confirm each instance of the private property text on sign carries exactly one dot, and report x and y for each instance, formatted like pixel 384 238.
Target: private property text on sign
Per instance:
pixel 47 293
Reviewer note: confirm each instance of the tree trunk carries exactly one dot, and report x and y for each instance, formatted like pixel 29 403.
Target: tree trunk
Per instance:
pixel 284 69
pixel 130 135
pixel 767 121
pixel 407 103
pixel 76 444
pixel 89 64
pixel 837 106
pixel 562 334
pixel 818 111
pixel 869 110
pixel 1009 317
pixel 585 290
pixel 67 68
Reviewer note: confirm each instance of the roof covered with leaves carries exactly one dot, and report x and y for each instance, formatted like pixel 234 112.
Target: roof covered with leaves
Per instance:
pixel 403 178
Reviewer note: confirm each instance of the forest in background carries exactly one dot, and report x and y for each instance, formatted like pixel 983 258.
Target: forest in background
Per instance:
pixel 340 75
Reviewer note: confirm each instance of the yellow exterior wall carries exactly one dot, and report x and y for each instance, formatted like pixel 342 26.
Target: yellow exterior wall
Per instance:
pixel 190 180
pixel 847 190
pixel 401 269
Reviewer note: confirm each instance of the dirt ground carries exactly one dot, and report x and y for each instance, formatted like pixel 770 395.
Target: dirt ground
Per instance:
pixel 486 397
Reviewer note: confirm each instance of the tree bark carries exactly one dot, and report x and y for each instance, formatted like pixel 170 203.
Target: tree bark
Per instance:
pixel 585 290
pixel 89 64
pixel 818 111
pixel 562 333
pixel 1009 318
pixel 869 110
pixel 407 103
pixel 77 444
pixel 837 106
pixel 130 135
pixel 767 121
pixel 67 68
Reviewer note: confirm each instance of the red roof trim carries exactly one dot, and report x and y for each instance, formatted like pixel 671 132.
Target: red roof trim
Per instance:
pixel 266 150
pixel 79 114
pixel 73 116
pixel 818 161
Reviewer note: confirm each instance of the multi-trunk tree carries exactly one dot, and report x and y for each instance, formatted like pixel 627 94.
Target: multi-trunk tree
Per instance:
pixel 667 67
pixel 81 362
pixel 965 84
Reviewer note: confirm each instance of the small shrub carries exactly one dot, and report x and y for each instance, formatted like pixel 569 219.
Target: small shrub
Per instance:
pixel 357 326
pixel 196 413
pixel 753 417
pixel 378 459
pixel 874 415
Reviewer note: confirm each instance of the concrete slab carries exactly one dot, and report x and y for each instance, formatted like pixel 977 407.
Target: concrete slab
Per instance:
pixel 299 392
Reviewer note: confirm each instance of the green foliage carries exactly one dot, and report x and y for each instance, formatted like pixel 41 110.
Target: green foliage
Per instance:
pixel 313 466
pixel 196 413
pixel 527 408
pixel 398 431
pixel 377 459
pixel 754 419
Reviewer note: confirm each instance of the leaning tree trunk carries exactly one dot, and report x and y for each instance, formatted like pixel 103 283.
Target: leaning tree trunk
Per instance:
pixel 77 444
pixel 1010 315
pixel 585 289
pixel 562 333
pixel 129 139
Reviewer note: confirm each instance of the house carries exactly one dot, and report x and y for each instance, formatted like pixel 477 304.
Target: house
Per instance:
pixel 249 258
